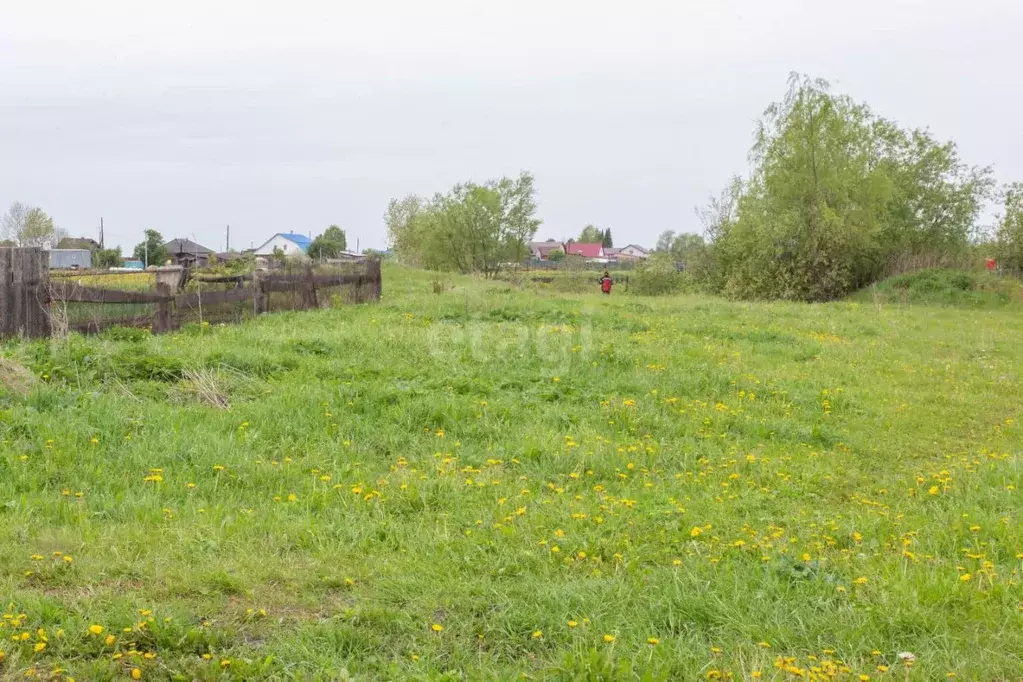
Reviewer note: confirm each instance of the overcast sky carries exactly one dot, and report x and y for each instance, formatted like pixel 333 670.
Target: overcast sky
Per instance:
pixel 186 116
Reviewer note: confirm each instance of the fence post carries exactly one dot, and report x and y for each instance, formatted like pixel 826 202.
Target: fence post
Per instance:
pixel 25 292
pixel 168 280
pixel 374 275
pixel 260 301
pixel 309 295
pixel 7 307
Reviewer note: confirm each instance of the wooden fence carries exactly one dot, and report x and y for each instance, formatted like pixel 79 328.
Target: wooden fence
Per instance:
pixel 34 304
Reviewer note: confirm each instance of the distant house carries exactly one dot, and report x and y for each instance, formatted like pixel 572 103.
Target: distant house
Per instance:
pixel 632 252
pixel 543 250
pixel 293 245
pixel 188 253
pixel 588 250
pixel 70 259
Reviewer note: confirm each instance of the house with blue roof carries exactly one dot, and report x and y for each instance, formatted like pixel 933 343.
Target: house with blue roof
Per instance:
pixel 292 244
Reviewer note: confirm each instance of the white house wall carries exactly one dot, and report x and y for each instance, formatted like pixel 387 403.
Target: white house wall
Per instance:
pixel 289 247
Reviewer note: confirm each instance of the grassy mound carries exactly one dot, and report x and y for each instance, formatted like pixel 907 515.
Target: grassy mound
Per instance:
pixel 941 287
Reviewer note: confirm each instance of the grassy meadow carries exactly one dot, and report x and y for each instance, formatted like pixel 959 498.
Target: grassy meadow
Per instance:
pixel 483 481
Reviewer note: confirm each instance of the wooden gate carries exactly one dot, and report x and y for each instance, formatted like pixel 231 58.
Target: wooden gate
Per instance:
pixel 24 292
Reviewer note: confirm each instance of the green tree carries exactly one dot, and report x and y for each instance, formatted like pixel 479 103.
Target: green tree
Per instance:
pixel 29 226
pixel 151 250
pixel 835 196
pixel 590 234
pixel 665 241
pixel 556 256
pixel 1009 230
pixel 330 244
pixel 607 242
pixel 107 258
pixel 472 228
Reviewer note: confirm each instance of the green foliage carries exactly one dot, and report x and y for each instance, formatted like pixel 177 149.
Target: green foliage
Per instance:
pixel 590 234
pixel 29 226
pixel 151 250
pixel 78 243
pixel 330 244
pixel 472 228
pixel 1009 233
pixel 836 193
pixel 658 276
pixel 955 288
pixel 607 242
pixel 107 258
pixel 556 256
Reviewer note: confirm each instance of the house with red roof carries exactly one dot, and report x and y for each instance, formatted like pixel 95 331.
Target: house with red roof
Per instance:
pixel 588 250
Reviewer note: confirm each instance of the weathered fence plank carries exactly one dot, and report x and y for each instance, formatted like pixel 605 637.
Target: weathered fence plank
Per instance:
pixel 77 293
pixel 7 295
pixel 222 279
pixel 25 292
pixel 197 298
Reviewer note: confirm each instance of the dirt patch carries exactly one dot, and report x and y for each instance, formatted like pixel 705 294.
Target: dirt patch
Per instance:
pixel 14 378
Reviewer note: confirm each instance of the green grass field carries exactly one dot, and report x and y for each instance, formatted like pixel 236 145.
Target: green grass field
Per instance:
pixel 495 483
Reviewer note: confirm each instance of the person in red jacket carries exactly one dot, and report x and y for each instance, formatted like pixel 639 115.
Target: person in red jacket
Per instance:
pixel 605 283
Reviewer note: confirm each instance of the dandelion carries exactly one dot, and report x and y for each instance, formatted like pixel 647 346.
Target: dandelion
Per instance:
pixel 864 678
pixel 437 627
pixel 695 532
pixel 96 629
pixel 136 674
pixel 653 641
pixel 109 641
pixel 965 577
pixel 67 559
pixel 573 623
pixel 39 646
pixel 860 581
pixel 537 634
pixel 609 639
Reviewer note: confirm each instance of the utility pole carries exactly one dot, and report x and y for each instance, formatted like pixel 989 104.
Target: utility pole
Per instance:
pixel 227 240
pixel 101 244
pixel 146 242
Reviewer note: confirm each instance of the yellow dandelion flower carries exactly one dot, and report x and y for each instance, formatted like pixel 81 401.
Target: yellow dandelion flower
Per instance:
pixel 437 627
pixel 136 674
pixel 609 638
pixel 39 646
pixel 695 532
pixel 965 577
pixel 653 641
pixel 110 640
pixel 860 581
pixel 537 634
pixel 96 629
pixel 573 623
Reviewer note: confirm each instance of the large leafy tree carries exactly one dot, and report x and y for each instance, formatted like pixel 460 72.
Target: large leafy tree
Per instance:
pixel 1009 232
pixel 151 249
pixel 330 244
pixel 836 195
pixel 471 228
pixel 591 233
pixel 29 226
